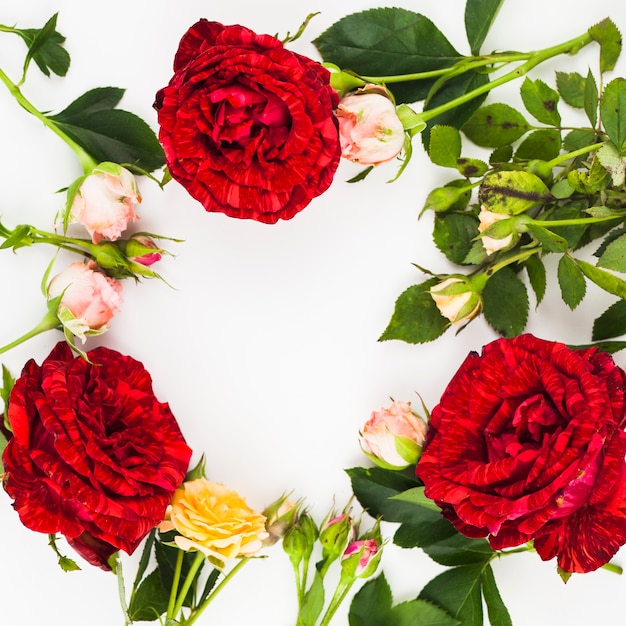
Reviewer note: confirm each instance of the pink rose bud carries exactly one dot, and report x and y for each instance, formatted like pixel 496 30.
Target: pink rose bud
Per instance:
pixel 105 201
pixel 89 299
pixel 456 299
pixel 361 558
pixel 493 244
pixel 336 534
pixel 393 438
pixel 370 130
pixel 141 249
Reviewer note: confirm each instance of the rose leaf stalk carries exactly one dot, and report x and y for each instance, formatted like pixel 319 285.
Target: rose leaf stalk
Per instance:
pixel 532 60
pixel 198 611
pixel 86 161
pixel 49 322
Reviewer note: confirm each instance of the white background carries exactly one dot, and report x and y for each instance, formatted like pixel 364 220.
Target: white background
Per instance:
pixel 266 349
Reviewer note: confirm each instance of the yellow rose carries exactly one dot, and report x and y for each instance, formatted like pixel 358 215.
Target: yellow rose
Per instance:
pixel 214 520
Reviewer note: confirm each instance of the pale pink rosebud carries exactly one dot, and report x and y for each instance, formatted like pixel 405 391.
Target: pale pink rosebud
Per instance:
pixel 361 558
pixel 393 437
pixel 370 130
pixel 456 300
pixel 491 244
pixel 336 533
pixel 105 202
pixel 89 299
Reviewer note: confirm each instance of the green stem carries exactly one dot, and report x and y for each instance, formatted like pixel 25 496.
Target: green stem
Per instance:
pixel 121 590
pixel 571 46
pixel 175 582
pixel 49 322
pixel 576 221
pixel 338 597
pixel 194 616
pixel 86 161
pixel 572 155
pixel 191 574
pixel 453 70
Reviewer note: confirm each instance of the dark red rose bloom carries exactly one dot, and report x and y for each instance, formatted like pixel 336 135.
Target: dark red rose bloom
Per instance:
pixel 247 126
pixel 93 455
pixel 528 442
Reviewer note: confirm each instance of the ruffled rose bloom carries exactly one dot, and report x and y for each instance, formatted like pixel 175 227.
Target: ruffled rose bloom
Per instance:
pixel 394 437
pixel 214 520
pixel 369 128
pixel 528 443
pixel 94 455
pixel 456 300
pixel 247 126
pixel 89 299
pixel 105 202
pixel 486 219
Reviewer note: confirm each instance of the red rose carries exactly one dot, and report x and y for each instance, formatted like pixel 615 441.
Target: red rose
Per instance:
pixel 247 126
pixel 528 443
pixel 93 455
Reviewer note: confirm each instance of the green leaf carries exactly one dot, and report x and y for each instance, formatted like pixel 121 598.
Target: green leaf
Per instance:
pixel 612 323
pixel 471 168
pixel 372 604
pixel 479 16
pixel 387 41
pixel 605 280
pixel 571 281
pixel 453 234
pixel 505 303
pixel 542 144
pixel 143 561
pixel 313 602
pixel 495 125
pixel 614 256
pixel 416 496
pixel 423 528
pixel 613 162
pixel 458 592
pixel 419 613
pixel 571 87
pixel 110 134
pixel 536 276
pixel 503 154
pixel 150 601
pixel 579 138
pixel 551 242
pixel 591 99
pixel 45 47
pixel 445 145
pixel 613 112
pixel 459 550
pixel 610 40
pixel 496 609
pixel 512 192
pixel 416 318
pixel 374 488
pixel 541 101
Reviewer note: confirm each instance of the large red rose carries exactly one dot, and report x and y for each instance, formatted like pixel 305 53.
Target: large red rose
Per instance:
pixel 247 126
pixel 528 443
pixel 93 455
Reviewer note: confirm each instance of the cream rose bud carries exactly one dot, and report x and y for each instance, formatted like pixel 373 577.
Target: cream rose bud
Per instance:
pixel 214 520
pixel 89 299
pixel 370 131
pixel 393 437
pixel 456 300
pixel 487 218
pixel 105 202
